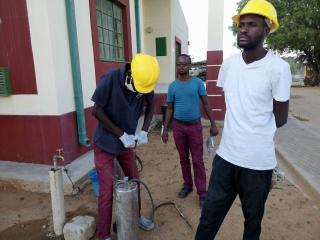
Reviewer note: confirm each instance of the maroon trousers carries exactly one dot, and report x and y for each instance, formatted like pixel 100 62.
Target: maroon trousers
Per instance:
pixel 104 166
pixel 188 138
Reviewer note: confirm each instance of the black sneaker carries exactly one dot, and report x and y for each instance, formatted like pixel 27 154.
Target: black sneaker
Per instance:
pixel 184 192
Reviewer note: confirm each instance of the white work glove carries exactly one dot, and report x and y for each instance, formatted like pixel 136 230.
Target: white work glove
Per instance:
pixel 210 144
pixel 162 127
pixel 142 138
pixel 128 140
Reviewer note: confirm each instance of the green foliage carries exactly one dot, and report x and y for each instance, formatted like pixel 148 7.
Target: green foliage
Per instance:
pixel 299 32
pixel 299 26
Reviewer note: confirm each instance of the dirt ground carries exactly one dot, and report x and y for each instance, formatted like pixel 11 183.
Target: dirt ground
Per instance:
pixel 289 213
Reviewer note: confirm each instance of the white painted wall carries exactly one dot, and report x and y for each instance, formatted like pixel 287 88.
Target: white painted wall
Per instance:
pixel 86 55
pixel 215 26
pixel 157 17
pixel 229 39
pixel 60 57
pixel 164 19
pixel 50 46
pixel 133 27
pixel 45 102
pixel 179 28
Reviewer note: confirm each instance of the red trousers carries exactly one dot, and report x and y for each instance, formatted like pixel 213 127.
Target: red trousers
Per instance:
pixel 188 139
pixel 104 166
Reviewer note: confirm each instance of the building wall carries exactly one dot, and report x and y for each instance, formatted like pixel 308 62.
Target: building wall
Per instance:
pixel 179 28
pixel 157 23
pixel 15 46
pixel 180 33
pixel 86 53
pixel 34 125
pixel 165 19
pixel 50 48
pixel 102 66
pixel 133 25
pixel 215 57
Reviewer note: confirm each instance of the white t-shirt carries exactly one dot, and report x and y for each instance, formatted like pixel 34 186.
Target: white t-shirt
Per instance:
pixel 249 126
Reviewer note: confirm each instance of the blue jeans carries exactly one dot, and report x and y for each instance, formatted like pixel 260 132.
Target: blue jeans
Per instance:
pixel 226 182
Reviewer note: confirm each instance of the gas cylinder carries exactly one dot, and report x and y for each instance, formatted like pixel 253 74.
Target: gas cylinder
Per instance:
pixel 127 209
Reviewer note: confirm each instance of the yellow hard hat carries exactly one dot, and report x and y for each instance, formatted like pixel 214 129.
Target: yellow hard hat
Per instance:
pixel 145 72
pixel 260 7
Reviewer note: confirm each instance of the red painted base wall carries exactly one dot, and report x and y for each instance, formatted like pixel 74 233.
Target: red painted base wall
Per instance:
pixel 161 99
pixel 34 139
pixel 215 94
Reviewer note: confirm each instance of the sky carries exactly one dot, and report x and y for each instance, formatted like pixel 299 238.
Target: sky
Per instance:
pixel 196 14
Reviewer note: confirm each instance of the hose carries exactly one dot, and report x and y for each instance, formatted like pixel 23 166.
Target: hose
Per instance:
pixel 150 196
pixel 154 208
pixel 179 211
pixel 138 159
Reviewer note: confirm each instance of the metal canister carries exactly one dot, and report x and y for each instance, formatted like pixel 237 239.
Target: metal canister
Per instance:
pixel 127 210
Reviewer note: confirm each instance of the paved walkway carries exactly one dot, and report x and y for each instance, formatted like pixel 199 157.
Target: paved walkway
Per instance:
pixel 298 145
pixel 298 142
pixel 304 105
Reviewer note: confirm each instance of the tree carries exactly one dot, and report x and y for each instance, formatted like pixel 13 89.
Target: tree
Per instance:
pixel 299 32
pixel 295 66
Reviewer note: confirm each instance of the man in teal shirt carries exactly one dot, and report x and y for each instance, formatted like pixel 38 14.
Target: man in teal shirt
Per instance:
pixel 183 100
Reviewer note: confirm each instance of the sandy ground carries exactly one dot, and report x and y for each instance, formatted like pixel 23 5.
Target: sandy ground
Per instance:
pixel 289 213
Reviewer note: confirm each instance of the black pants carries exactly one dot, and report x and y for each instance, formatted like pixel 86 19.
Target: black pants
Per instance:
pixel 226 181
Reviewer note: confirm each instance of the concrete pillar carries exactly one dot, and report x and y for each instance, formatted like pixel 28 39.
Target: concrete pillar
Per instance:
pixel 215 57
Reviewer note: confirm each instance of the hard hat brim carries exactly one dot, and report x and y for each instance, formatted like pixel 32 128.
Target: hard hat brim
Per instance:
pixel 143 90
pixel 236 19
pixel 145 72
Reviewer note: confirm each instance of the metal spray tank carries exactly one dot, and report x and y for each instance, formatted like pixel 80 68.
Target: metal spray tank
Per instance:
pixel 127 210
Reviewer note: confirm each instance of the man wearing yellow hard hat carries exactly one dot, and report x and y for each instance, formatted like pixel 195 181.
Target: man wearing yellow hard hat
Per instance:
pixel 119 100
pixel 256 85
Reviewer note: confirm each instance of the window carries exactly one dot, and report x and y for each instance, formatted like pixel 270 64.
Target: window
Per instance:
pixel 15 46
pixel 161 46
pixel 178 50
pixel 110 31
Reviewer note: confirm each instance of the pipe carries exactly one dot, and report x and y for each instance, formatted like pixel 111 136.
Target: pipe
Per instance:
pixel 137 17
pixel 57 195
pixel 76 74
pixel 57 201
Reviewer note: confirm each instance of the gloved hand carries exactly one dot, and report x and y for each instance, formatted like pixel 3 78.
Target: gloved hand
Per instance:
pixel 210 144
pixel 142 138
pixel 128 140
pixel 162 127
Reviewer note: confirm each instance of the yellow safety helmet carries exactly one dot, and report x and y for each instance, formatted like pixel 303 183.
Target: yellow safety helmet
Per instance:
pixel 145 72
pixel 260 7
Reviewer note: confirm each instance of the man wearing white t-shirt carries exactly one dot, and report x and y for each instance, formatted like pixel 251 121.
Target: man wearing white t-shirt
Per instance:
pixel 256 84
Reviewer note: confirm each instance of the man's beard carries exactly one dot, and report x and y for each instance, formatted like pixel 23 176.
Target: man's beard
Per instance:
pixel 251 44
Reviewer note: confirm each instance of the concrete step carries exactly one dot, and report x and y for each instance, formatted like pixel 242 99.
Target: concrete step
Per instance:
pixel 35 177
